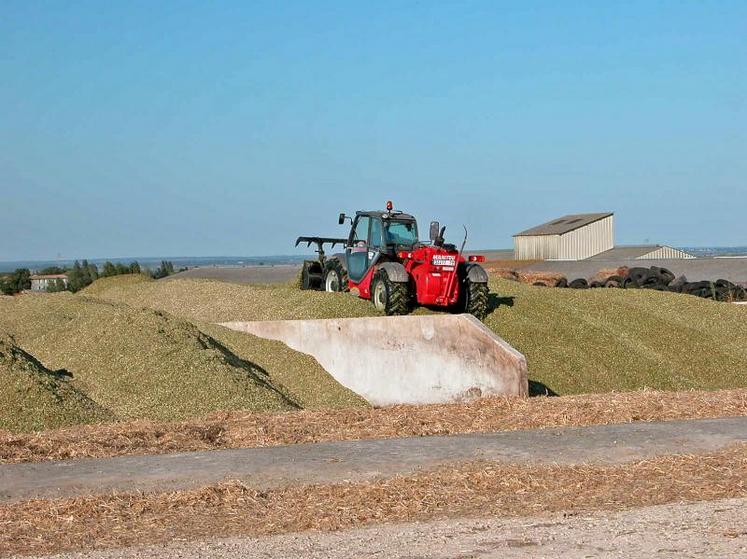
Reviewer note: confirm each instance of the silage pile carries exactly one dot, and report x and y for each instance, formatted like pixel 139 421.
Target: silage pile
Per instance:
pixel 122 280
pixel 599 340
pixel 204 302
pixel 576 341
pixel 215 301
pixel 139 363
pixel 34 398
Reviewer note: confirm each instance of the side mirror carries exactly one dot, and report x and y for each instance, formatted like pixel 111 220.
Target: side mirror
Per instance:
pixel 435 227
pixel 341 219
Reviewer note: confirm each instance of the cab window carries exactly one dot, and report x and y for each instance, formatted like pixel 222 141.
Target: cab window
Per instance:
pixel 377 231
pixel 360 231
pixel 402 233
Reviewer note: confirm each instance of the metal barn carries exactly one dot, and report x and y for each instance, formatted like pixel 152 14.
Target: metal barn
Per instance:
pixel 572 237
pixel 664 252
pixel 643 252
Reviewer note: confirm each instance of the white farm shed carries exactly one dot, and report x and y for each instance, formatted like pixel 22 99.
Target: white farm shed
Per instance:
pixel 643 252
pixel 572 237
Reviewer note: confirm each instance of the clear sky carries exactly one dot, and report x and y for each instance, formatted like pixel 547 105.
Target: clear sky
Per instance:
pixel 229 128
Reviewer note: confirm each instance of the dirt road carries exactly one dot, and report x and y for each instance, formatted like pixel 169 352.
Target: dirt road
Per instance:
pixel 705 530
pixel 265 468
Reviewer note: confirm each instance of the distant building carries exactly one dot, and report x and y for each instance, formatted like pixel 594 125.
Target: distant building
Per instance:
pixel 644 252
pixel 585 237
pixel 41 283
pixel 572 237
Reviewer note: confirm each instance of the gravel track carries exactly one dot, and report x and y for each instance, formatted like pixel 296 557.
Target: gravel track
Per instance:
pixel 706 530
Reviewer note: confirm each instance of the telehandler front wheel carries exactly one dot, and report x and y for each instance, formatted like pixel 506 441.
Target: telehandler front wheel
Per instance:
pixel 392 298
pixel 335 276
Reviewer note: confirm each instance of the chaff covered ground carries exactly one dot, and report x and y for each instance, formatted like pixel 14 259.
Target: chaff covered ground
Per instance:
pixel 239 429
pixel 470 489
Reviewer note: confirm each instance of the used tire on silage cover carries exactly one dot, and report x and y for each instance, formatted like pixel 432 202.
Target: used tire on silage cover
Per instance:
pixel 614 282
pixel 579 283
pixel 664 276
pixel 638 275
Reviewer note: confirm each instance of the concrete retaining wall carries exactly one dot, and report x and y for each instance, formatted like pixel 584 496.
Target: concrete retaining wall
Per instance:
pixel 405 359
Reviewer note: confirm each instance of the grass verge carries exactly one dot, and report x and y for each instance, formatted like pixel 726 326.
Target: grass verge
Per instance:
pixel 242 429
pixel 471 489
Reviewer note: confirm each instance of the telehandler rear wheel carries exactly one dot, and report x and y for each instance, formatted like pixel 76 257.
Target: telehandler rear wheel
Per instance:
pixel 311 275
pixel 475 299
pixel 390 297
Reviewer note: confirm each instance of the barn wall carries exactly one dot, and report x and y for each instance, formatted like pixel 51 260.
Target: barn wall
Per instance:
pixel 579 244
pixel 536 247
pixel 587 241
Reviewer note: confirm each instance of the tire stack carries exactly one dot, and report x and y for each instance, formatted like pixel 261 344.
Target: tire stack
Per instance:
pixel 662 279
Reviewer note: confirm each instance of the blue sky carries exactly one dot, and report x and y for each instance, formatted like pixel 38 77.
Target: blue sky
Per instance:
pixel 229 128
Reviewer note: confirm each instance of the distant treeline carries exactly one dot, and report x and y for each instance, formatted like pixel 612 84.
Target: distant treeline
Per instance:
pixel 80 275
pixel 15 282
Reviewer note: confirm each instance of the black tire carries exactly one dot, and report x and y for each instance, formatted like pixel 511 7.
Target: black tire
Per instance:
pixel 562 282
pixel 678 284
pixel 639 275
pixel 653 282
pixel 665 276
pixel 579 283
pixel 722 293
pixel 697 286
pixel 392 298
pixel 335 276
pixel 311 275
pixel 613 282
pixel 473 299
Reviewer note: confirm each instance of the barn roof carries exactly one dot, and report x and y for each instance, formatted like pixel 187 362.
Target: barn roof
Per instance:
pixel 49 276
pixel 564 224
pixel 637 252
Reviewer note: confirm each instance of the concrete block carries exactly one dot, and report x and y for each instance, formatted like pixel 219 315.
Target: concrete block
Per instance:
pixel 405 359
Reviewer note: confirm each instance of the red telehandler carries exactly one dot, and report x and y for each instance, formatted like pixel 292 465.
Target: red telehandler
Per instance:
pixel 385 261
